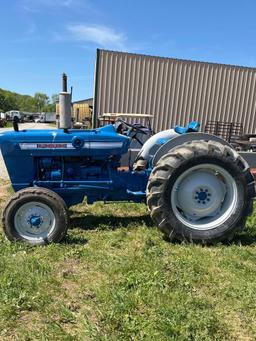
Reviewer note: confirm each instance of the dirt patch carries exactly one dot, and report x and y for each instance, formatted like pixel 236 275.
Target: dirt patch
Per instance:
pixel 5 192
pixel 29 321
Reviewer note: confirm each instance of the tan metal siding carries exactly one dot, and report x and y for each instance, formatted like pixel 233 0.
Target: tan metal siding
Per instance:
pixel 174 91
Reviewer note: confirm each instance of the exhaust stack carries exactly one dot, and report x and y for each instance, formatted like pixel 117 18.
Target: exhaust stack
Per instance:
pixel 65 105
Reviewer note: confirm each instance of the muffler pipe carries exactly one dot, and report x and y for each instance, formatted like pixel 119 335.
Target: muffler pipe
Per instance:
pixel 65 105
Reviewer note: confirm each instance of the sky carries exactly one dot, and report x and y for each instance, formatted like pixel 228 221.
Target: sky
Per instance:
pixel 41 39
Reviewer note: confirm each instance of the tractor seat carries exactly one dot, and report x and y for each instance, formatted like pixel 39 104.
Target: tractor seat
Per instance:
pixel 190 128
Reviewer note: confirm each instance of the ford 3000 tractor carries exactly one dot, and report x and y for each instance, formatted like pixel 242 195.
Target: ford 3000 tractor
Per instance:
pixel 196 186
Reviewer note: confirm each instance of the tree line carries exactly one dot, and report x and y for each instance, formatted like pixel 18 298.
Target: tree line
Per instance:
pixel 40 102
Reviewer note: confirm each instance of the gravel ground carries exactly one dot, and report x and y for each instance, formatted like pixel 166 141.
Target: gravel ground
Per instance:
pixel 3 171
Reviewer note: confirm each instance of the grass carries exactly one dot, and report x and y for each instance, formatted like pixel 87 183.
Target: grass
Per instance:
pixel 52 124
pixel 115 278
pixel 8 125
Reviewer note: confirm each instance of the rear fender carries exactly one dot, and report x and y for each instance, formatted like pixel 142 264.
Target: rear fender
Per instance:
pixel 180 139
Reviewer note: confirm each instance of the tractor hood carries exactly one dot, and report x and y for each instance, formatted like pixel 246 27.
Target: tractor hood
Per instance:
pixel 99 143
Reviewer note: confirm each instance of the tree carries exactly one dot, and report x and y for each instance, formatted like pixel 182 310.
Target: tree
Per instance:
pixel 8 100
pixel 51 107
pixel 55 98
pixel 42 100
pixel 27 103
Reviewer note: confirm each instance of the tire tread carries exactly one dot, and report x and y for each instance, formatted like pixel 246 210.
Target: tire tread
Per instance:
pixel 170 162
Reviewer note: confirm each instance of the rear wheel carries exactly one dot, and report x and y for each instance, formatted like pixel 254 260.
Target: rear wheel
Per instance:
pixel 36 216
pixel 200 192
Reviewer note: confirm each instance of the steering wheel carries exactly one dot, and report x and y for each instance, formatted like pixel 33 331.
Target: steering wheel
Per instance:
pixel 133 128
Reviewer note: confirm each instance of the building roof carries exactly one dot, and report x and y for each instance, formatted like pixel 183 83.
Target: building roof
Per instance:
pixel 87 100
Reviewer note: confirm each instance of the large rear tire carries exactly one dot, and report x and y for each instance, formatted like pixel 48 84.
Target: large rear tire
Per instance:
pixel 36 216
pixel 200 192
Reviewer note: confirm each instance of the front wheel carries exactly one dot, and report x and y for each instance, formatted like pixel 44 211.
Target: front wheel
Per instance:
pixel 200 192
pixel 35 215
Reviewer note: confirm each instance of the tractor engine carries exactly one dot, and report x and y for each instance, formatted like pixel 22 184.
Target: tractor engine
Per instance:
pixel 72 169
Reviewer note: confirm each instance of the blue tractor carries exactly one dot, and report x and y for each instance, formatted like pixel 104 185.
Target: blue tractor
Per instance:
pixel 196 186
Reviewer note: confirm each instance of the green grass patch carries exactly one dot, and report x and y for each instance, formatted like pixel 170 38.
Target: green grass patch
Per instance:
pixel 115 278
pixel 8 125
pixel 52 124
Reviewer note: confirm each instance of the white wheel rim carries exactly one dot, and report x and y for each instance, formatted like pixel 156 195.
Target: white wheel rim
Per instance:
pixel 204 197
pixel 34 221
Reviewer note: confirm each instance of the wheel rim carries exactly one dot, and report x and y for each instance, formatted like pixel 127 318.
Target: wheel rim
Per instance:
pixel 34 221
pixel 204 197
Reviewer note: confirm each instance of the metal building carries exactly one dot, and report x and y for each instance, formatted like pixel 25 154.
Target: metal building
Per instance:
pixel 81 110
pixel 175 91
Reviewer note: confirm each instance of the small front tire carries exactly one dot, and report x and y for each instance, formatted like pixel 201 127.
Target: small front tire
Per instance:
pixel 36 216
